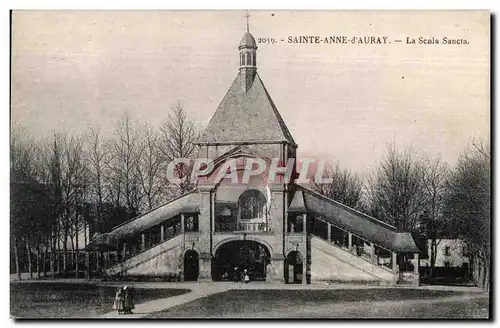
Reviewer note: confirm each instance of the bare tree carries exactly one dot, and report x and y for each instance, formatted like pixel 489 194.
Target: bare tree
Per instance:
pixel 73 171
pixel 52 157
pixel 434 179
pixel 395 191
pixel 150 167
pixel 345 187
pixel 98 158
pixel 468 203
pixel 178 135
pixel 23 193
pixel 124 166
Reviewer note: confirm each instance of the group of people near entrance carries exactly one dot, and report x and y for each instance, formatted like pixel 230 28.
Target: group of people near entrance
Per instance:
pixel 243 276
pixel 124 300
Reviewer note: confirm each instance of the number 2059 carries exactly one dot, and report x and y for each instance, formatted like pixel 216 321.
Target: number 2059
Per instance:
pixel 266 40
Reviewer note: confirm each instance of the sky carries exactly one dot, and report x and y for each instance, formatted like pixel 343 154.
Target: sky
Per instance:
pixel 341 102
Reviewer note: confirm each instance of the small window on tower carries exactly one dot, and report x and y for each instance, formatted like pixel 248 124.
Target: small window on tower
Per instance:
pixel 248 59
pixel 255 60
pixel 242 59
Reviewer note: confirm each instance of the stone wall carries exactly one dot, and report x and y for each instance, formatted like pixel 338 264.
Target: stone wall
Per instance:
pixel 161 259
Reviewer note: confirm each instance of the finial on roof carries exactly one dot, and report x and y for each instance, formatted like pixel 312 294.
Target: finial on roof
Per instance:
pixel 248 17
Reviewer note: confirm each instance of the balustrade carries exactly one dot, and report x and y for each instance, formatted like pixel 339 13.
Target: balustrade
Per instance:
pixel 241 226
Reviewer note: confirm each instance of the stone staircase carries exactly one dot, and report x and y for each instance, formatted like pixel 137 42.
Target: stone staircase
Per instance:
pixel 331 263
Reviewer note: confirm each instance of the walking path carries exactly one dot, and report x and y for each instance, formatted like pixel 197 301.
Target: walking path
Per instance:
pixel 144 309
pixel 199 290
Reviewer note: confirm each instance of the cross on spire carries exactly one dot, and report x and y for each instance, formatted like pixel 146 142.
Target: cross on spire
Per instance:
pixel 247 17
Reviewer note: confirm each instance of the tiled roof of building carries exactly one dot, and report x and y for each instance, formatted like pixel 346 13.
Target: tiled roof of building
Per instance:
pixel 248 40
pixel 246 117
pixel 358 223
pixel 297 205
pixel 187 203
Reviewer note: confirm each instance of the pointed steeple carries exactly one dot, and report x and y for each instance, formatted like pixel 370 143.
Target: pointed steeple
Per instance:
pixel 248 58
pixel 247 112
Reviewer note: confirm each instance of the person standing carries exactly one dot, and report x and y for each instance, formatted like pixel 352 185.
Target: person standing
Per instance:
pixel 128 300
pixel 118 303
pixel 235 274
pixel 246 277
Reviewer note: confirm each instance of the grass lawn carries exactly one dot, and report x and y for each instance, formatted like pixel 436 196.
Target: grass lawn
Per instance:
pixel 64 300
pixel 343 303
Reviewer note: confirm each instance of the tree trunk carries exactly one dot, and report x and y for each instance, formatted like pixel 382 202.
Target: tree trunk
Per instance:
pixel 77 267
pixel 52 256
pixel 37 258
pixel 58 252
pixel 28 250
pixel 16 257
pixel 72 252
pixel 44 263
pixel 85 232
pixel 65 253
pixel 433 260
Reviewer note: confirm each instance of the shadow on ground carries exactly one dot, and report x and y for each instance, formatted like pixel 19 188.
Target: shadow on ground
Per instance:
pixel 64 300
pixel 341 303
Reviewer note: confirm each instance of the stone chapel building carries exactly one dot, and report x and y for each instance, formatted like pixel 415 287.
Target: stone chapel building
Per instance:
pixel 280 232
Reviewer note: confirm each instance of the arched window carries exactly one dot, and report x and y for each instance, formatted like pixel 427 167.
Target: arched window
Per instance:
pixel 251 205
pixel 242 59
pixel 248 58
pixel 254 60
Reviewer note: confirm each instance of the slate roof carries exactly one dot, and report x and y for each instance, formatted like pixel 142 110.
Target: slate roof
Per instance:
pixel 297 205
pixel 248 41
pixel 187 203
pixel 360 224
pixel 246 117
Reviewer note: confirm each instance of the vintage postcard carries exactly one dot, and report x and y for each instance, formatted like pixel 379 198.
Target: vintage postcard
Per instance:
pixel 250 164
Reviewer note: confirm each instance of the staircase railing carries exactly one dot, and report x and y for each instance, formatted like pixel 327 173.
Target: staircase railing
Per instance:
pixel 361 251
pixel 242 227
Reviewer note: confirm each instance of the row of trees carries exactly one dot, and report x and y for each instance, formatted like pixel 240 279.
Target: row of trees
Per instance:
pixel 65 183
pixel 419 194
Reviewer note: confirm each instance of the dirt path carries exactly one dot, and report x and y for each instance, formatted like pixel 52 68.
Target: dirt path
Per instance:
pixel 145 309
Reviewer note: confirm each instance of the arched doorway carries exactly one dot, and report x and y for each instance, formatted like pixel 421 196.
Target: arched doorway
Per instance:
pixel 191 265
pixel 235 256
pixel 294 268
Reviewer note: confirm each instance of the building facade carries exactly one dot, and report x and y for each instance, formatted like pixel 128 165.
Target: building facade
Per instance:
pixel 450 253
pixel 275 229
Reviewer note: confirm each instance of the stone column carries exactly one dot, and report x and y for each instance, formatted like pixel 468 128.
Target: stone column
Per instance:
pixel 204 246
pixel 304 267
pixel 205 273
pixel 278 268
pixel 329 233
pixel 349 246
pixel 143 241
pixel 416 271
pixel 183 223
pixel 304 223
pixel 97 259
pixel 212 215
pixel 87 265
pixel 162 232
pixel 106 259
pixel 124 251
pixel 394 262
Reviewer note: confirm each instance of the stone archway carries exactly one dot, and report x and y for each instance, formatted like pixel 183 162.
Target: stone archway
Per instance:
pixel 191 265
pixel 232 257
pixel 294 265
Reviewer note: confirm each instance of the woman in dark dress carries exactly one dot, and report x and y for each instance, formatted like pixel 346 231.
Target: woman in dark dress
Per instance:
pixel 128 300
